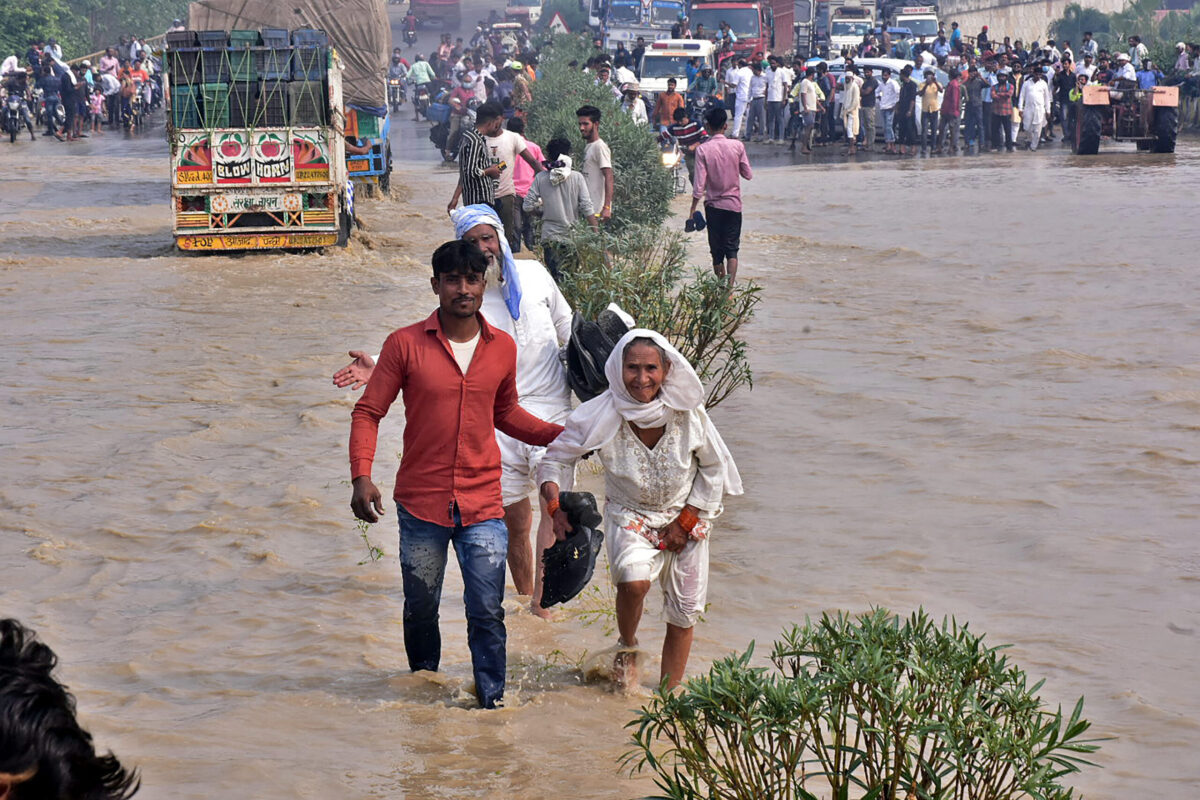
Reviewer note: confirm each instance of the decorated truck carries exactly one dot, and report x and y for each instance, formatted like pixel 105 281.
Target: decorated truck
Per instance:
pixel 259 118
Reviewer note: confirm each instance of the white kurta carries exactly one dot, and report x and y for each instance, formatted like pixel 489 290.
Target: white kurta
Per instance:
pixel 1035 103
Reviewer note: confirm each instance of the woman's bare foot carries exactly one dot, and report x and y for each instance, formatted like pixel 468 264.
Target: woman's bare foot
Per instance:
pixel 535 608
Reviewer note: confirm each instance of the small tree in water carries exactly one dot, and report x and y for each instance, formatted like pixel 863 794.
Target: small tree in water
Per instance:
pixel 884 708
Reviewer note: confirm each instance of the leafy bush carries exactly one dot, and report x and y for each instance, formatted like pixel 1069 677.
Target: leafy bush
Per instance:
pixel 644 271
pixel 885 707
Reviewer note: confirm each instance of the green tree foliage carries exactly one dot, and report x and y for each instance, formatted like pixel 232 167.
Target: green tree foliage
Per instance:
pixel 23 21
pixel 870 706
pixel 105 21
pixel 574 16
pixel 1138 18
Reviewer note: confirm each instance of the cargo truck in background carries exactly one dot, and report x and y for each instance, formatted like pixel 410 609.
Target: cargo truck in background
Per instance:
pixel 257 142
pixel 849 22
pixel 625 20
pixel 753 23
pixel 921 20
pixel 259 120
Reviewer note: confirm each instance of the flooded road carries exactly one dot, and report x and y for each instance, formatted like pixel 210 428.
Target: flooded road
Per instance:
pixel 977 389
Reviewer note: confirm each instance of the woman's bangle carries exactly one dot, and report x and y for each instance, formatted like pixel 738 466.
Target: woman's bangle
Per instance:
pixel 688 519
pixel 552 506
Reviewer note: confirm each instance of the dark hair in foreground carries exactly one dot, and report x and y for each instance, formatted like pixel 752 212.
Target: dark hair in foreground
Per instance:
pixel 40 735
pixel 715 119
pixel 458 256
pixel 515 124
pixel 591 112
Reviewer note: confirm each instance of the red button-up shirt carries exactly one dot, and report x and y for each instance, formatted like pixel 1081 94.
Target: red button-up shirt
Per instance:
pixel 450 451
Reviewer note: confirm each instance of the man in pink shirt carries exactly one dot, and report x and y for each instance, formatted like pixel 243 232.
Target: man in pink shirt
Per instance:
pixel 720 165
pixel 522 179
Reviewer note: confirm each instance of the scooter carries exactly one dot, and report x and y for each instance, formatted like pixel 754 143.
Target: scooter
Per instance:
pixel 397 93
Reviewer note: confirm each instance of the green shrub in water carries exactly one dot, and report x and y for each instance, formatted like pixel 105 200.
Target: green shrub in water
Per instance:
pixel 870 706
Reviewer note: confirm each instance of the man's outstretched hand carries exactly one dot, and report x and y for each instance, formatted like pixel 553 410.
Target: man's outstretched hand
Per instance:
pixel 356 373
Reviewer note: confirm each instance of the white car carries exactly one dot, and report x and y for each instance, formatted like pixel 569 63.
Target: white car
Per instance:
pixel 837 68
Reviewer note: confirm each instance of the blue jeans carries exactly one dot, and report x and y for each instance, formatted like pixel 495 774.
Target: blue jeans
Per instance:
pixel 51 110
pixel 974 124
pixel 481 550
pixel 889 122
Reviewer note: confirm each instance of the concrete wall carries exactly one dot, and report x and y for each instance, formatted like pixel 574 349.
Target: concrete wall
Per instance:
pixel 1025 19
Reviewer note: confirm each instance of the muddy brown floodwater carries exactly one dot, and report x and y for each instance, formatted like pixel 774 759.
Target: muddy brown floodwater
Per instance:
pixel 977 390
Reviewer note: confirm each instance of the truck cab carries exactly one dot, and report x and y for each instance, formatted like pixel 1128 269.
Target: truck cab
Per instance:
pixel 668 58
pixel 848 24
pixel 920 20
pixel 526 12
pixel 752 22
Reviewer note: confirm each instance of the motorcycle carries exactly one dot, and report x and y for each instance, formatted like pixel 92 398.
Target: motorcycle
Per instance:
pixel 421 101
pixel 410 38
pixel 14 117
pixel 397 93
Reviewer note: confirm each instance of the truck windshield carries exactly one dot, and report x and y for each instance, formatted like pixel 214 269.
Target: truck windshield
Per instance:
pixel 846 28
pixel 654 66
pixel 743 21
pixel 625 12
pixel 665 12
pixel 920 26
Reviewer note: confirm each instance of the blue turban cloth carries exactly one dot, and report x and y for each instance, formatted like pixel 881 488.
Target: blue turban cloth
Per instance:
pixel 468 217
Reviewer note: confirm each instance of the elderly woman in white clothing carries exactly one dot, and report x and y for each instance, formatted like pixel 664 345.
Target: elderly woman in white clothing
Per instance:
pixel 666 472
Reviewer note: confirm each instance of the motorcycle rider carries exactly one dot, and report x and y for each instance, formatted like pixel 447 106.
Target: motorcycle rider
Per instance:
pixel 704 86
pixel 410 28
pixel 16 84
pixel 397 71
pixel 51 86
pixel 419 76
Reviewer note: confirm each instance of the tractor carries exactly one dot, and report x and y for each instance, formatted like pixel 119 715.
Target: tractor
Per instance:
pixel 1149 117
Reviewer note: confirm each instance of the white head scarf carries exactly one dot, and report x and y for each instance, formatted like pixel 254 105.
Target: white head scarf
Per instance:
pixel 600 418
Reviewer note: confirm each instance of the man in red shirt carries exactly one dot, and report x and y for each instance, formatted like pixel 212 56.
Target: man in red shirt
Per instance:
pixel 458 376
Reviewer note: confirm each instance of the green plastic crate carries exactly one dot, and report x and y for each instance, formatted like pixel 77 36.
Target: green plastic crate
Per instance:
pixel 216 105
pixel 185 107
pixel 368 126
pixel 242 64
pixel 243 39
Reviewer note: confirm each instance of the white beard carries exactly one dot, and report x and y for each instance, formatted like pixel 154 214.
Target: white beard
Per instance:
pixel 493 273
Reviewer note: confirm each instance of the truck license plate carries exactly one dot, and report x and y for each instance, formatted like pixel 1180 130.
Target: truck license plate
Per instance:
pixel 255 241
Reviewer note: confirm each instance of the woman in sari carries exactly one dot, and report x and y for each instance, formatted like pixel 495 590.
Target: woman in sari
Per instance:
pixel 666 472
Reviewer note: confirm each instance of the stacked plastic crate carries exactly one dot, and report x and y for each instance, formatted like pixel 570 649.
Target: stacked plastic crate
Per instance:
pixel 246 79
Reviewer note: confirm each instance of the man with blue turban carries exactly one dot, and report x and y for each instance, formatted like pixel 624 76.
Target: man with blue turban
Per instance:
pixel 522 300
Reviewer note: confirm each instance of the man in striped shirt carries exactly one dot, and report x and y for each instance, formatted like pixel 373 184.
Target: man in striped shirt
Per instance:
pixel 477 175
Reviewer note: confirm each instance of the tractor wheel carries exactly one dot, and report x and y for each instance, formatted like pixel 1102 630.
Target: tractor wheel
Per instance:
pixel 1087 135
pixel 1166 126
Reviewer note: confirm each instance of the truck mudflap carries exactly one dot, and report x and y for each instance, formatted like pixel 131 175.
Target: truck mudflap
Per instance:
pixel 254 241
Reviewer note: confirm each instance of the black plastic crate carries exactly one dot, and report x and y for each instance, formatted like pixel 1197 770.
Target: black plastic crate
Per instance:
pixel 214 64
pixel 276 37
pixel 212 39
pixel 309 37
pixel 274 63
pixel 243 103
pixel 309 63
pixel 181 39
pixel 307 103
pixel 271 109
pixel 183 64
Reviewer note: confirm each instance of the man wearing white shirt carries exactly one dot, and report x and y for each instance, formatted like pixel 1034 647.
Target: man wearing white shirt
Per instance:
pixel 741 97
pixel 1035 105
pixel 505 148
pixel 543 326
pixel 777 92
pixel 889 96
pixel 756 117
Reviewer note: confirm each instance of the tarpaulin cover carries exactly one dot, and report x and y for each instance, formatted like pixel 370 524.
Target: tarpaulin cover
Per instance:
pixel 358 29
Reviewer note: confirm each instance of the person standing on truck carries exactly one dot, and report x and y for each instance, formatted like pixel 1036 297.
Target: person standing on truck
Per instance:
pixel 597 162
pixel 477 174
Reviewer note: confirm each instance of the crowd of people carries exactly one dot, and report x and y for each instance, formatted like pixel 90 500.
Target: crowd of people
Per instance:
pixel 73 101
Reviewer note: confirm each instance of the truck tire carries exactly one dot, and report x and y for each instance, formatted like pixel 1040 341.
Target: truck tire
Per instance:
pixel 1087 136
pixel 385 180
pixel 1166 126
pixel 345 225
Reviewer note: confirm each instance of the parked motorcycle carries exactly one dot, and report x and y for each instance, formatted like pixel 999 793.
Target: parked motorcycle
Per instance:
pixel 14 117
pixel 397 93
